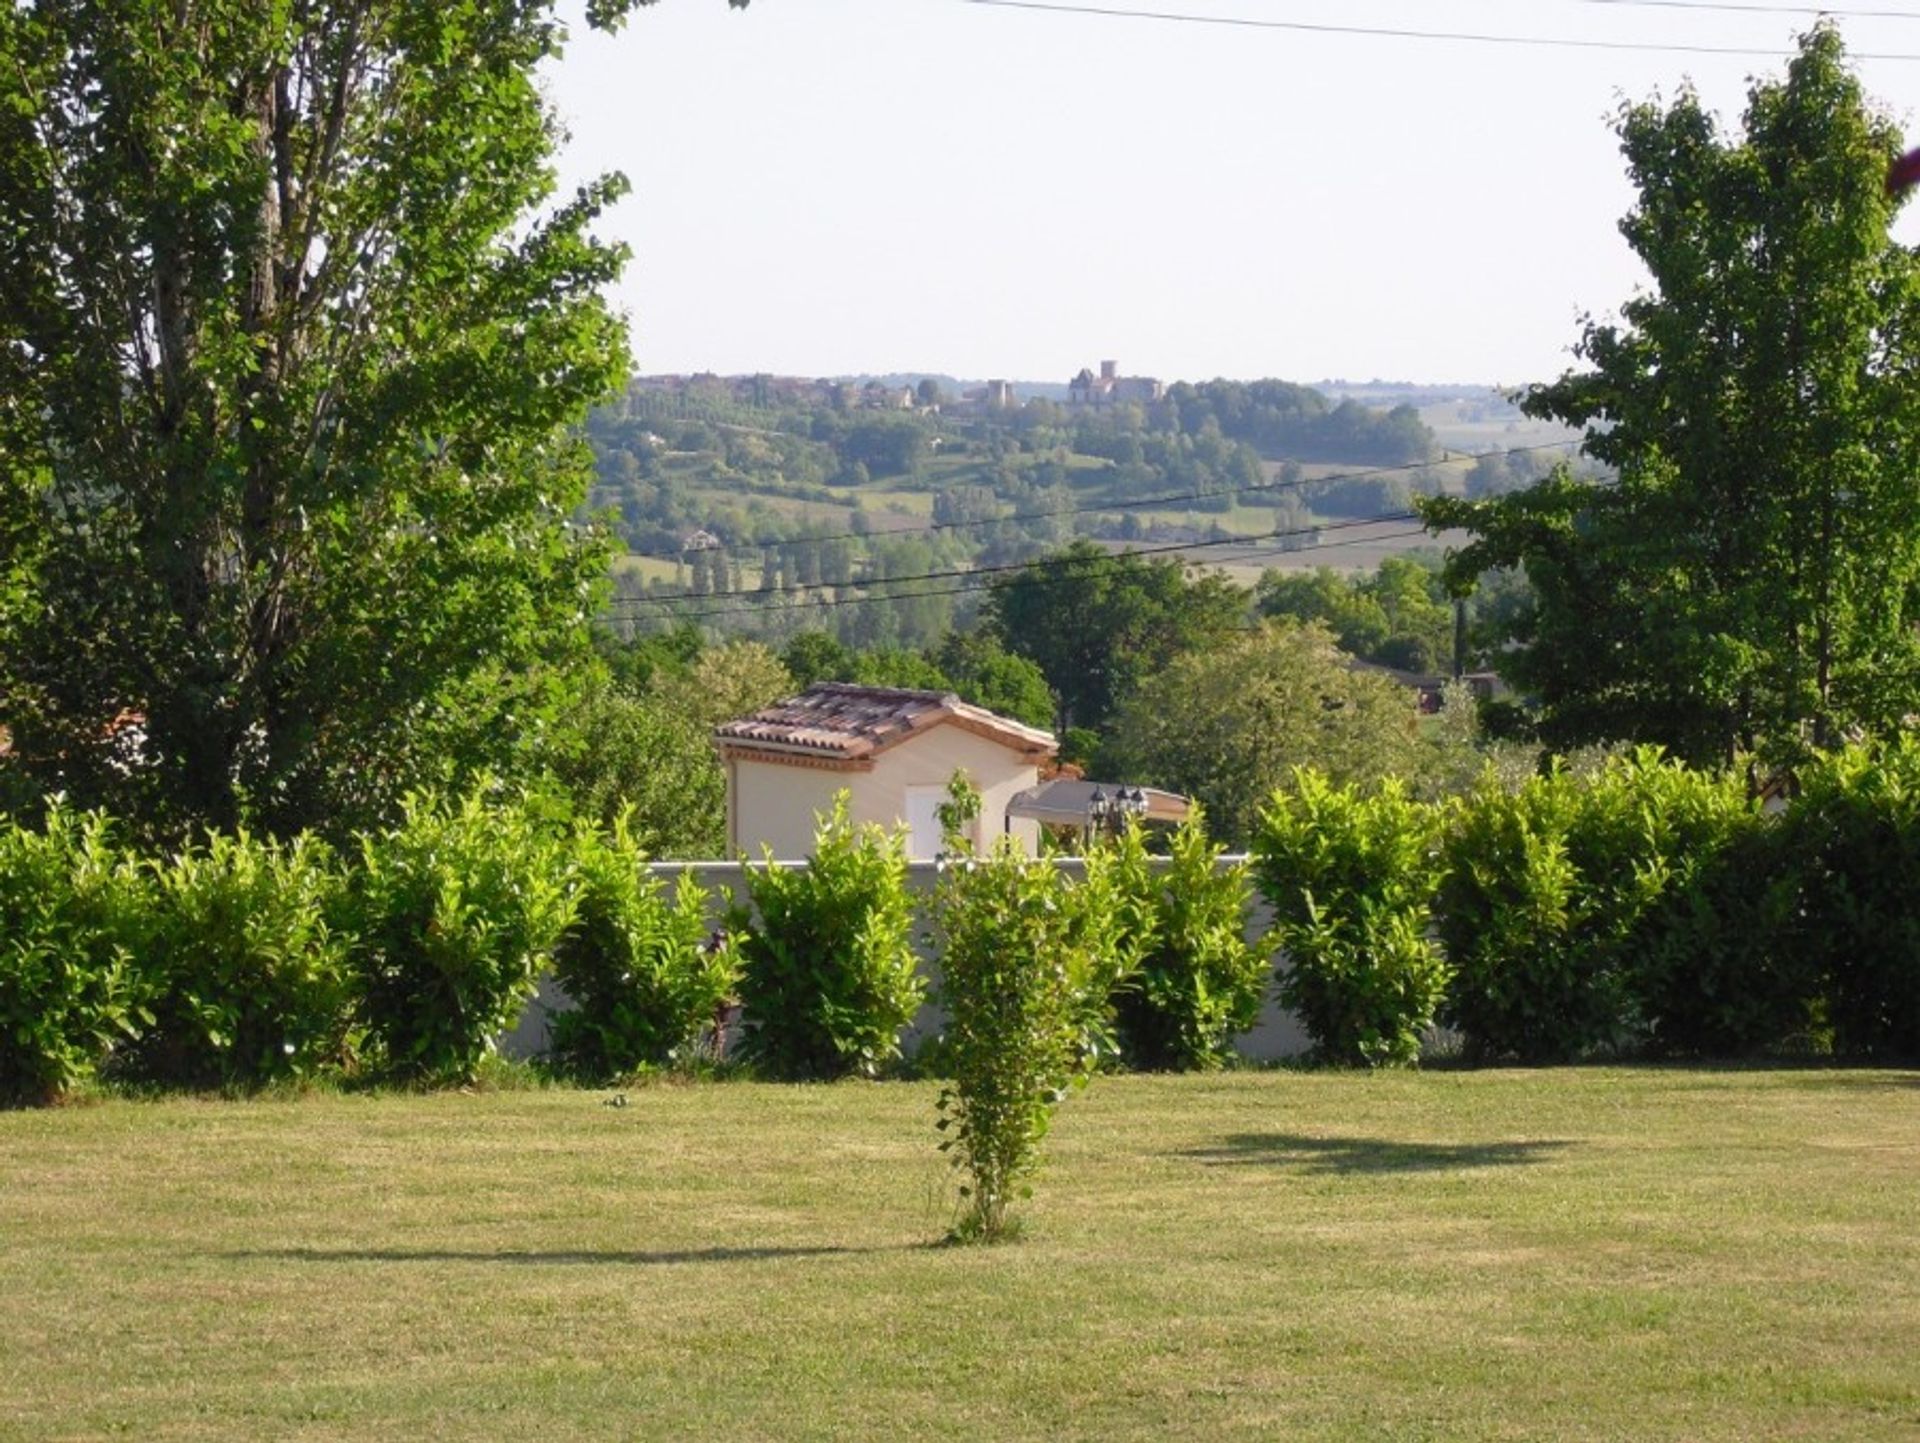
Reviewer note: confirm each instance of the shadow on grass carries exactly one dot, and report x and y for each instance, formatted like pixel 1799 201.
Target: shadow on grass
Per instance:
pixel 1369 1154
pixel 553 1259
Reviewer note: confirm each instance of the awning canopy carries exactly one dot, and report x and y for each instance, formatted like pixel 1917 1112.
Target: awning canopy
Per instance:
pixel 1067 803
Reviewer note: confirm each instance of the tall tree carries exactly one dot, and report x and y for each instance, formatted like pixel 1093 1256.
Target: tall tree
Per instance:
pixel 1096 623
pixel 1228 725
pixel 1753 581
pixel 293 335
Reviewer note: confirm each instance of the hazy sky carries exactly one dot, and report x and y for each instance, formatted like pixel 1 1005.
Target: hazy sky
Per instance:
pixel 831 186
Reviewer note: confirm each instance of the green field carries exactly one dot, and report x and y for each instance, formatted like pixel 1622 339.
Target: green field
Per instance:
pixel 1588 1254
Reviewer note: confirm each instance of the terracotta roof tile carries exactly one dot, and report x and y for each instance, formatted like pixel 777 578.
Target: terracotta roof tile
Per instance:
pixel 838 719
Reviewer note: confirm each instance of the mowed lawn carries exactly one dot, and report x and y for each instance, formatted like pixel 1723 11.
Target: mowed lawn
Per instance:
pixel 1581 1254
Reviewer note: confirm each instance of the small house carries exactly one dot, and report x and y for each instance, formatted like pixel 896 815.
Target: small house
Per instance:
pixel 892 750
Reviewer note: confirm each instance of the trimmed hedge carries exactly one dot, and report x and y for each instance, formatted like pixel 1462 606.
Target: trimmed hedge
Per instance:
pixel 642 972
pixel 248 966
pixel 1853 839
pixel 1351 879
pixel 827 969
pixel 1199 981
pixel 74 920
pixel 1643 909
pixel 454 913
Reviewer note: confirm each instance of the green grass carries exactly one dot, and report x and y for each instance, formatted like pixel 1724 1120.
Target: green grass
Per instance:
pixel 1590 1254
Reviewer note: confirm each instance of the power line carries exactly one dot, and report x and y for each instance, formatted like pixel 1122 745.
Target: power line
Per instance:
pixel 1478 37
pixel 1107 559
pixel 947 573
pixel 1733 8
pixel 1074 573
pixel 1082 508
pixel 1263 488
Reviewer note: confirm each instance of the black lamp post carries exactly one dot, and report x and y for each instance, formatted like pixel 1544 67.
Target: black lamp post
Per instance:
pixel 1106 812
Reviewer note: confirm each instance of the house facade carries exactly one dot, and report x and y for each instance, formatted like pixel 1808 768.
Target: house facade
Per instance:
pixel 892 750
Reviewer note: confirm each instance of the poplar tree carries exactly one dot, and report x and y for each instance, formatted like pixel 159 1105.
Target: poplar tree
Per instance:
pixel 1751 585
pixel 295 332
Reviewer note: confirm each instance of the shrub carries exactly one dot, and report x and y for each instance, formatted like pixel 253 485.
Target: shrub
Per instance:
pixel 455 913
pixel 636 965
pixel 1854 838
pixel 1555 898
pixel 1523 926
pixel 827 977
pixel 1351 877
pixel 253 981
pixel 73 917
pixel 1199 981
pixel 1028 959
pixel 1711 966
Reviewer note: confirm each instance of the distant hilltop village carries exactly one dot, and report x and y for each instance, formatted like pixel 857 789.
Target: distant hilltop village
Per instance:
pixel 1109 388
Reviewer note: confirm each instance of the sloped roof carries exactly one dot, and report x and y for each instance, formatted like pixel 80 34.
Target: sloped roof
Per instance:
pixel 1068 801
pixel 839 721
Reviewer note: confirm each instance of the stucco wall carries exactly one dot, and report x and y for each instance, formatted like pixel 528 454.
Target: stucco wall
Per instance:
pixel 774 804
pixel 1277 1035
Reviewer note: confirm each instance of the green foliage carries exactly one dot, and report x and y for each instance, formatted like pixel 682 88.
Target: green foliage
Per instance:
pixel 613 754
pixel 958 813
pixel 294 338
pixel 1523 926
pixel 1854 835
pixel 1028 960
pixel 1098 624
pixel 1715 967
pixel 251 972
pixel 897 667
pixel 1283 419
pixel 1228 723
pixel 1752 583
pixel 1398 617
pixel 637 966
pixel 1555 899
pixel 1351 877
pixel 734 679
pixel 1199 982
pixel 73 921
pixel 986 675
pixel 828 977
pixel 455 913
pixel 816 656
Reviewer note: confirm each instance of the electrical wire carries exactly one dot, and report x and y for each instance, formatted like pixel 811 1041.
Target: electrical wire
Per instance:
pixel 1732 7
pixel 1072 572
pixel 1075 510
pixel 1082 508
pixel 1479 37
pixel 1111 559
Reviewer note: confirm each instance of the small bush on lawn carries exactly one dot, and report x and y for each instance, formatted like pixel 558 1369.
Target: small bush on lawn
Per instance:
pixel 1199 981
pixel 455 913
pixel 253 980
pixel 73 919
pixel 1854 838
pixel 827 972
pixel 636 964
pixel 1028 959
pixel 1351 878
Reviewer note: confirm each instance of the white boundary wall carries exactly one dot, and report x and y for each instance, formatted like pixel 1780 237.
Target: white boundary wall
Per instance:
pixel 1277 1035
